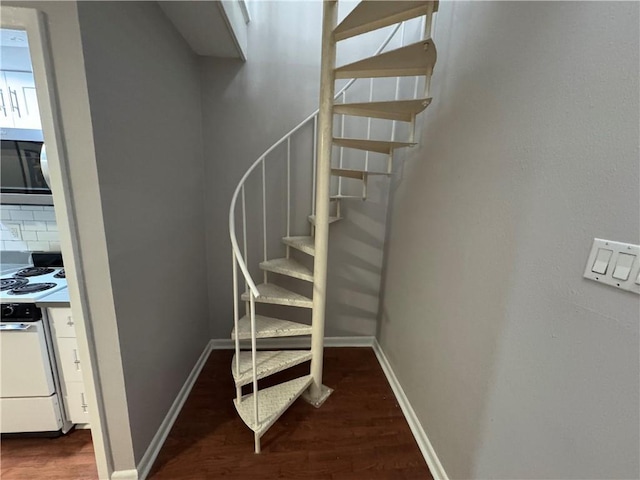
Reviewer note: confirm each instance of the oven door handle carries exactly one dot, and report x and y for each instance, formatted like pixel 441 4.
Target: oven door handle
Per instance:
pixel 14 327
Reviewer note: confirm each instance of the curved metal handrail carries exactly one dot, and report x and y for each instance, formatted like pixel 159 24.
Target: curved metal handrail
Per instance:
pixel 232 208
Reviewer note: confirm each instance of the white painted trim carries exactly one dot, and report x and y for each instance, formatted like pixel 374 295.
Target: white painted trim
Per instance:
pixel 125 475
pixel 145 464
pixel 294 342
pixel 149 457
pixel 437 470
pixel 349 341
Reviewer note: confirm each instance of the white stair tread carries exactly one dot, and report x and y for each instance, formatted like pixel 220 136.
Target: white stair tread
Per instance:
pixel 267 363
pixel 304 244
pixel 312 219
pixel 371 15
pixel 357 174
pixel 270 293
pixel 288 266
pixel 268 327
pixel 401 110
pixel 378 146
pixel 414 59
pixel 272 402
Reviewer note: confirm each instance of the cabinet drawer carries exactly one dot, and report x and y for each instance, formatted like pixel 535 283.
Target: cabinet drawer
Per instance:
pixel 69 360
pixel 62 322
pixel 76 402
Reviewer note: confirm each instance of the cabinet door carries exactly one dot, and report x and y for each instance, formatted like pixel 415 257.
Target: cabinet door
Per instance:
pixel 22 100
pixel 68 359
pixel 62 322
pixel 76 403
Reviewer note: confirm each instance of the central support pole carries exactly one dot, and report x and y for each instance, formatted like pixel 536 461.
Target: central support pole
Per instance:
pixel 317 393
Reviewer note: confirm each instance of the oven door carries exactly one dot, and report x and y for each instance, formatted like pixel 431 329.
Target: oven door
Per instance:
pixel 25 368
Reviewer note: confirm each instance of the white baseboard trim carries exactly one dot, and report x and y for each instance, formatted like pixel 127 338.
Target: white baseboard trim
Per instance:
pixel 437 470
pixel 149 457
pixel 146 462
pixel 125 475
pixel 294 342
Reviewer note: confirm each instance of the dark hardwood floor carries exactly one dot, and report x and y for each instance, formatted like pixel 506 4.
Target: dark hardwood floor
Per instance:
pixel 359 433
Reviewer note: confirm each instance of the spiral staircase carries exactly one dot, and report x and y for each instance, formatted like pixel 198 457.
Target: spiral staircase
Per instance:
pixel 260 408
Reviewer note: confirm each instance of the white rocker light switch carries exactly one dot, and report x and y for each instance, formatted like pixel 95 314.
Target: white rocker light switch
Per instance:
pixel 623 266
pixel 602 261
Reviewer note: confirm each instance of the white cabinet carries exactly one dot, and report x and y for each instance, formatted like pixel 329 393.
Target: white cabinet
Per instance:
pixel 68 359
pixel 69 364
pixel 18 101
pixel 75 402
pixel 62 322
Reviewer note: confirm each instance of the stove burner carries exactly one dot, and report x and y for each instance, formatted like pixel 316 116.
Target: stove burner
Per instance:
pixel 33 271
pixel 60 274
pixel 31 288
pixel 9 283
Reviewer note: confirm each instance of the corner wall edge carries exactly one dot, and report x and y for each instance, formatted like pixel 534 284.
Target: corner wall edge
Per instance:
pixel 146 462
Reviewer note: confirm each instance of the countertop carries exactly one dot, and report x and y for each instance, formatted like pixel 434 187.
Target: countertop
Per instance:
pixel 56 299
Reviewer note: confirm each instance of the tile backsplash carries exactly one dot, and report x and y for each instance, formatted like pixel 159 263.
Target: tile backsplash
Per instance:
pixel 28 227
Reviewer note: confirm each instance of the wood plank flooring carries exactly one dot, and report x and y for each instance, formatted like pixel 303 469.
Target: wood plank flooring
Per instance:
pixel 359 433
pixel 63 458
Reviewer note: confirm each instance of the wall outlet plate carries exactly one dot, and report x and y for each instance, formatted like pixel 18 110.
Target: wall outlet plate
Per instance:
pixel 620 255
pixel 16 233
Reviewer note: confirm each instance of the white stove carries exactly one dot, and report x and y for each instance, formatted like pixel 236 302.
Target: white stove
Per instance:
pixel 31 400
pixel 31 284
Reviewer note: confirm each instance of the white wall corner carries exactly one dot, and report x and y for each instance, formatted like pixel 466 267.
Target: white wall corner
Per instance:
pixel 437 470
pixel 149 457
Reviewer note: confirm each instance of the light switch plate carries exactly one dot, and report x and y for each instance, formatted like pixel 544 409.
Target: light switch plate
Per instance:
pixel 620 252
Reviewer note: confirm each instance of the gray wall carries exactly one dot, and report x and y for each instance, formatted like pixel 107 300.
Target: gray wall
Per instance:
pixel 246 108
pixel 144 92
pixel 517 366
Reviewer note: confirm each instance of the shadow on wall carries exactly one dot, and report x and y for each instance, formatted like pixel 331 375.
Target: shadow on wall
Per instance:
pixel 355 264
